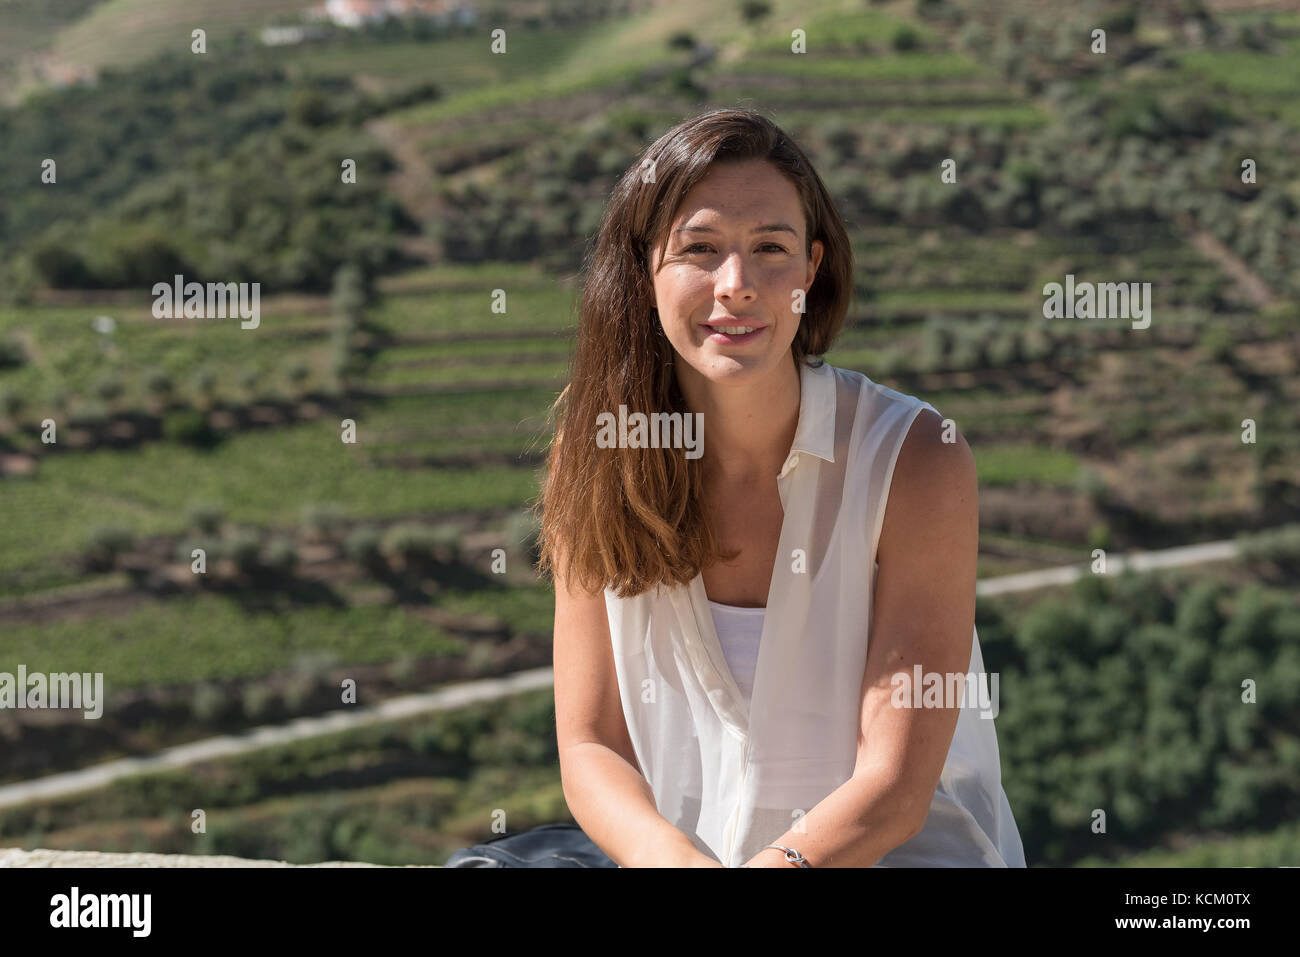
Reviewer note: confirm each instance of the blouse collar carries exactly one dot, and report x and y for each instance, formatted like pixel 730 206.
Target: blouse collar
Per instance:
pixel 815 433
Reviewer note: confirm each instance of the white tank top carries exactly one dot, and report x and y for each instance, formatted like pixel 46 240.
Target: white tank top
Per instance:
pixel 735 767
pixel 739 631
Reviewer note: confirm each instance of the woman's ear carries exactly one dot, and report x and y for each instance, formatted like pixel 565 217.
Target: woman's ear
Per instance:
pixel 815 259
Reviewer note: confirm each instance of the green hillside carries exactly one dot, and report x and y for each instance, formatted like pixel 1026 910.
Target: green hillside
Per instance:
pixel 480 175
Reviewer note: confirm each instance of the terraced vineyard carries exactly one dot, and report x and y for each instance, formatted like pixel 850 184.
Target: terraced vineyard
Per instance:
pixel 377 558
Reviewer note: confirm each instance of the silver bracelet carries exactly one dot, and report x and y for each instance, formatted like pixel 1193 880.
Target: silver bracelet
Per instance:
pixel 791 855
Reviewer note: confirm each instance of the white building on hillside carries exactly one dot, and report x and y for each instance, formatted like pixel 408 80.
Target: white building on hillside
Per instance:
pixel 355 14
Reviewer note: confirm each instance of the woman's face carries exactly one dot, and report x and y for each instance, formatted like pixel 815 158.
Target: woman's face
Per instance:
pixel 735 256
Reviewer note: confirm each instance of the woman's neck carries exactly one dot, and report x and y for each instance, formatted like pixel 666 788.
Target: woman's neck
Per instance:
pixel 749 425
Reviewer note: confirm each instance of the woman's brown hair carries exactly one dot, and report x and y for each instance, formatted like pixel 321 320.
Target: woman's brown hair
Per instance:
pixel 629 518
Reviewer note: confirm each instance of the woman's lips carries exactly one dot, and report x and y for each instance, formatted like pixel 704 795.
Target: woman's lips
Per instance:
pixel 729 339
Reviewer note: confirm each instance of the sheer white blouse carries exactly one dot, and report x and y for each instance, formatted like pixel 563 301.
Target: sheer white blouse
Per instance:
pixel 734 769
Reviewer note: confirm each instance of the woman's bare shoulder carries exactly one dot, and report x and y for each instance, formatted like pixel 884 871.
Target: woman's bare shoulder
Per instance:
pixel 934 481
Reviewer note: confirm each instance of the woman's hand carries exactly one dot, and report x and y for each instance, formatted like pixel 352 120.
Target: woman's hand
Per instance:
pixel 703 860
pixel 691 856
pixel 678 854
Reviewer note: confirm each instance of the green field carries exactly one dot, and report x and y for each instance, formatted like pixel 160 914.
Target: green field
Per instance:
pixel 1267 82
pixel 119 32
pixel 1116 169
pixel 187 640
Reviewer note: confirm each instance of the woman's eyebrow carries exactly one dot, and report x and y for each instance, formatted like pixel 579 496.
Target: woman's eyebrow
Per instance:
pixel 767 228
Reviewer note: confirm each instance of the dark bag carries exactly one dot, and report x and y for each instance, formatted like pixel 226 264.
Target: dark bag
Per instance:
pixel 548 845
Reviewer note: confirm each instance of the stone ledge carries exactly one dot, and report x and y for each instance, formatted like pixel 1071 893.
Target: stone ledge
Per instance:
pixel 16 857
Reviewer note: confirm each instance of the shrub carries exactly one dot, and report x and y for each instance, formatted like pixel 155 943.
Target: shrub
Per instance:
pixel 411 541
pixel 754 10
pixel 1121 21
pixel 298 373
pixel 681 40
pixel 402 668
pixel 59 265
pixel 205 383
pixel 315 664
pixel 12 352
pixel 681 83
pixel 136 256
pixel 481 658
pixel 1035 343
pixel 299 690
pixel 936 343
pixel 1280 316
pixel 208 703
pixel 89 415
pixel 1198 614
pixel 966 349
pixel 105 544
pixel 890 362
pixel 1091 485
pixel 256 700
pixel 322 521
pixel 11 403
pixel 362 546
pixel 159 384
pixel 974 35
pixel 1004 349
pixel 842 139
pixel 1269 450
pixel 446 541
pixel 1282 544
pixel 281 555
pixel 1216 342
pixel 206 517
pixel 342 363
pixel 905 38
pixel 244 546
pixel 418 543
pixel 189 427
pixel 109 388
pixel 249 380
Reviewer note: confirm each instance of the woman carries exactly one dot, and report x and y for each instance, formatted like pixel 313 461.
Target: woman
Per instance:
pixel 731 628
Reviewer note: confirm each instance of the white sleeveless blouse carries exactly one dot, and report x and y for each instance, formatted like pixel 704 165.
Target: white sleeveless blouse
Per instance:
pixel 735 771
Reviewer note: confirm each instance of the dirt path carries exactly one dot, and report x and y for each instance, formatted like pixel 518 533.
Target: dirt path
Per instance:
pixel 412 181
pixel 1248 281
pixel 231 745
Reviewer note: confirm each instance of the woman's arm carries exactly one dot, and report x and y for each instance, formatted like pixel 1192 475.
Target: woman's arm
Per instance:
pixel 923 613
pixel 603 784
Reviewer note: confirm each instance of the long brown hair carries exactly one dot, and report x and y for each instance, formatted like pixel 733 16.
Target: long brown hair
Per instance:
pixel 626 518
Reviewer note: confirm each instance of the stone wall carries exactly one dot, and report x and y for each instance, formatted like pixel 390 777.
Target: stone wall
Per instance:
pixel 15 857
